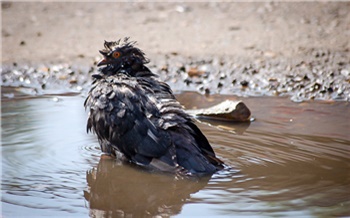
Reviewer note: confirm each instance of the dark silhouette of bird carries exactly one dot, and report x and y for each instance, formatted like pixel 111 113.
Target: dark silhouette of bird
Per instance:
pixel 137 115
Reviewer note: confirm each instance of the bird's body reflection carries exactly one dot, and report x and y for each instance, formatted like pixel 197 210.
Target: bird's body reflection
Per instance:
pixel 116 189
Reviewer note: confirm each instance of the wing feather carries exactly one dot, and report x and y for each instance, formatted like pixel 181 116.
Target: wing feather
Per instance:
pixel 141 118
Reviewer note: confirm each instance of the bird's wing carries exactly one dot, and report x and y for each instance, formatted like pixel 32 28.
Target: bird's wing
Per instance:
pixel 122 113
pixel 192 148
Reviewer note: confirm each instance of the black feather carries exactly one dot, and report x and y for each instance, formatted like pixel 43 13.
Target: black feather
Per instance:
pixel 134 113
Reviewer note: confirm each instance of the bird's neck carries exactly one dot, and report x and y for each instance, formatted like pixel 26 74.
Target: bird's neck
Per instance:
pixel 129 70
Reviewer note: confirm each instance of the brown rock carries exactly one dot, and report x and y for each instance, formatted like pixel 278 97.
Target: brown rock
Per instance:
pixel 228 110
pixel 192 72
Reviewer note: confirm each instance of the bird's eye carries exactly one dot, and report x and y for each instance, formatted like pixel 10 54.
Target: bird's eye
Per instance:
pixel 116 54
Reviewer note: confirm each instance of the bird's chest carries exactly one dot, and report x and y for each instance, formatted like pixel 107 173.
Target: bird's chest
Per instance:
pixel 122 99
pixel 114 93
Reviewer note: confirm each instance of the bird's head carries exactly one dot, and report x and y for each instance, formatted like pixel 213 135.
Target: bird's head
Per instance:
pixel 122 55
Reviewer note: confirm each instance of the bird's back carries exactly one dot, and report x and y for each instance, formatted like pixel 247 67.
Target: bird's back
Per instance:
pixel 134 113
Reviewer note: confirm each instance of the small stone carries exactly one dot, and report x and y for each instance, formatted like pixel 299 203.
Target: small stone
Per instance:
pixel 182 8
pixel 182 68
pixel 244 83
pixel 206 91
pixel 255 71
pixel 298 79
pixel 62 77
pixel 222 76
pixel 73 81
pixel 187 81
pixel 316 86
pixel 270 54
pixel 54 68
pixel 297 99
pixel 27 81
pixel 195 72
pixel 344 72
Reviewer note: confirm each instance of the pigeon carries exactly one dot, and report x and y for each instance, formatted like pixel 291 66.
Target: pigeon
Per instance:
pixel 137 117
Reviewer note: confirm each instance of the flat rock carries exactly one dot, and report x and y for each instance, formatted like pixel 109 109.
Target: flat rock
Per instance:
pixel 228 110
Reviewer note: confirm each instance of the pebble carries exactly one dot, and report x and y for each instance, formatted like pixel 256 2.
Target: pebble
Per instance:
pixel 345 72
pixel 182 8
pixel 319 76
pixel 192 72
pixel 244 83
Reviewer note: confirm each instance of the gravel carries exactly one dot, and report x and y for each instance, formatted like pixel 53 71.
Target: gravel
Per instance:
pixel 318 75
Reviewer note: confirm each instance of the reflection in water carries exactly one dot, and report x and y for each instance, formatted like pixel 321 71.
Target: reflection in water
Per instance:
pixel 119 190
pixel 236 128
pixel 293 160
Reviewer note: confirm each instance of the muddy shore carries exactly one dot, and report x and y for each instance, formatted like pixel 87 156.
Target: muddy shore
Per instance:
pixel 295 49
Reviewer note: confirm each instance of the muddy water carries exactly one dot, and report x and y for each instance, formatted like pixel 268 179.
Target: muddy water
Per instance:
pixel 293 160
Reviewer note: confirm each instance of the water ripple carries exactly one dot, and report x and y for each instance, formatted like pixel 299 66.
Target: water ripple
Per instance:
pixel 275 167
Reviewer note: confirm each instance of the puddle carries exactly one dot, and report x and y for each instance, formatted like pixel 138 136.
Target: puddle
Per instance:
pixel 293 160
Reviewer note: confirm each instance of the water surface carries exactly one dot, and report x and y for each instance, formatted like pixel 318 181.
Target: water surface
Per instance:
pixel 293 160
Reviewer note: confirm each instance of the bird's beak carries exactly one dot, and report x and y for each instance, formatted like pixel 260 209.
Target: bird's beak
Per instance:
pixel 104 61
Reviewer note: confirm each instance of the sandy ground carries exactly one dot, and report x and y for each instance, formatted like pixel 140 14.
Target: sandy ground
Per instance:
pixel 72 33
pixel 67 32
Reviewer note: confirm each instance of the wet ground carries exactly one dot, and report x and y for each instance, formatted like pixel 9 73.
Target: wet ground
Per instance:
pixel 323 75
pixel 293 160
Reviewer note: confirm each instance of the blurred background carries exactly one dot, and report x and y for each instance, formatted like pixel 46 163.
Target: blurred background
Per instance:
pixel 56 32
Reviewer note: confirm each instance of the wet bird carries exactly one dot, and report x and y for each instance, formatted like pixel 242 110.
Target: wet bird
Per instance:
pixel 135 114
